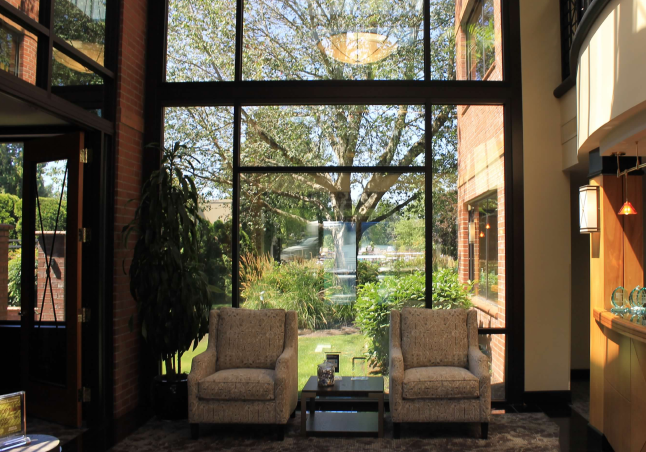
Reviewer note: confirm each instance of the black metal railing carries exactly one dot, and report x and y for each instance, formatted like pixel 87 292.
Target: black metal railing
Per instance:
pixel 572 12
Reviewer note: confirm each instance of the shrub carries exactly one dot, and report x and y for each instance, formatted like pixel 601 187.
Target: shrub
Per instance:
pixel 375 301
pixel 296 285
pixel 14 277
pixel 367 272
pixel 448 292
pixel 8 212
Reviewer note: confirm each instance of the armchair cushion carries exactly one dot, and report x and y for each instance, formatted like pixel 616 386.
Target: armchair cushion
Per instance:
pixel 440 383
pixel 250 339
pixel 238 384
pixel 434 337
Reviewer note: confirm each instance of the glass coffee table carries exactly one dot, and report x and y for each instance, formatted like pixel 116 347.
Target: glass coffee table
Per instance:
pixel 343 423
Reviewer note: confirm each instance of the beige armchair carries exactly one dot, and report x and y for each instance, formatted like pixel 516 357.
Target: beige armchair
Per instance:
pixel 437 371
pixel 249 371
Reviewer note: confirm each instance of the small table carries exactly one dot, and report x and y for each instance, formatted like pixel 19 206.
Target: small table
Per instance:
pixel 39 443
pixel 343 423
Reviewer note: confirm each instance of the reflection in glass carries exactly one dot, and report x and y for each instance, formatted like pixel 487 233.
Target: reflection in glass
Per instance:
pixel 478 40
pixel 201 40
pixel 332 39
pixel 344 135
pixel 82 24
pixel 18 50
pixel 334 248
pixel 66 74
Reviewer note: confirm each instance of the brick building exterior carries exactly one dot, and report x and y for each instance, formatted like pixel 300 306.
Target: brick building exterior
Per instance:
pixel 26 42
pixel 54 289
pixel 481 177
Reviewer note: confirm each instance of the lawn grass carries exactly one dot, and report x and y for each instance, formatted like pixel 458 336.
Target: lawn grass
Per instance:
pixel 349 346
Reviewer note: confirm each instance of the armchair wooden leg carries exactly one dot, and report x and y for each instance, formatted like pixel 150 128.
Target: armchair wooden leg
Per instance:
pixel 195 431
pixel 484 430
pixel 280 432
pixel 397 430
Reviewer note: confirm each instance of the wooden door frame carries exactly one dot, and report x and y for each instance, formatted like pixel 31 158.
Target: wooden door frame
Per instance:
pixel 57 148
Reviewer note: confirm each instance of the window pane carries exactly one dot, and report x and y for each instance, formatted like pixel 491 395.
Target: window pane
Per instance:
pixel 18 50
pixel 11 232
pixel 333 135
pixel 68 72
pixel 333 40
pixel 82 24
pixel 468 207
pixel 206 134
pixel 479 40
pixel 342 250
pixel 201 40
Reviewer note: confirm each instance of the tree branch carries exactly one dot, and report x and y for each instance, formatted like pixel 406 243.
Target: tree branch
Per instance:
pixel 396 209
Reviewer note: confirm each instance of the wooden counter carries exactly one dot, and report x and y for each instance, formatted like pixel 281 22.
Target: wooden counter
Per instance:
pixel 621 326
pixel 622 394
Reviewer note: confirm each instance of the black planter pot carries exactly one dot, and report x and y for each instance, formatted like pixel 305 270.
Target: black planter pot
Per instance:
pixel 170 397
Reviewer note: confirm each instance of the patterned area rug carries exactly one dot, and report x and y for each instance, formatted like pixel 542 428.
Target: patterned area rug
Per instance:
pixel 507 432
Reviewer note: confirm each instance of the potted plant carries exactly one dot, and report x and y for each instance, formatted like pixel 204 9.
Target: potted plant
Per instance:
pixel 166 278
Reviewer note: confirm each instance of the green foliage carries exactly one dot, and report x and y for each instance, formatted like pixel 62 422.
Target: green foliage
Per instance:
pixel 375 301
pixel 410 234
pixel 11 168
pixel 449 292
pixel 14 278
pixel 8 212
pixel 49 213
pixel 215 256
pixel 75 24
pixel 296 285
pixel 367 272
pixel 166 276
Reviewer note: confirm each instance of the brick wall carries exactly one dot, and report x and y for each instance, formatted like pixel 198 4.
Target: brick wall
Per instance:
pixel 29 44
pixel 129 156
pixel 481 171
pixel 4 269
pixel 55 287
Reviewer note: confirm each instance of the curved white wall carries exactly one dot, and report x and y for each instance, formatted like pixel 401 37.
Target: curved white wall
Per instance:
pixel 611 75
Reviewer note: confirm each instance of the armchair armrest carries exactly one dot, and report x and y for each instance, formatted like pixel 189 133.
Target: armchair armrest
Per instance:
pixel 479 366
pixel 286 371
pixel 203 364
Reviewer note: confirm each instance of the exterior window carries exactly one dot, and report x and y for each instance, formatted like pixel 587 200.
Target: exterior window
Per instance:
pixel 9 50
pixel 483 252
pixel 481 40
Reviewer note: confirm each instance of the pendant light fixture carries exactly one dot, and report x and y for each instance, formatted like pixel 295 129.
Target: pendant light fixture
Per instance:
pixel 627 208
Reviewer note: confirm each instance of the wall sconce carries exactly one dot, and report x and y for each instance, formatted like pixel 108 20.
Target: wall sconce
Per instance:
pixel 588 209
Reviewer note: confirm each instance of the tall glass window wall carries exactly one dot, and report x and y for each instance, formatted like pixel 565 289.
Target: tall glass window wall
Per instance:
pixel 347 208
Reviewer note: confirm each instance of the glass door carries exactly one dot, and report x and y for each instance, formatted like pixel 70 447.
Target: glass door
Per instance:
pixel 51 313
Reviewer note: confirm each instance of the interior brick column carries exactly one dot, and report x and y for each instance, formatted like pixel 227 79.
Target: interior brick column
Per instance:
pixel 4 269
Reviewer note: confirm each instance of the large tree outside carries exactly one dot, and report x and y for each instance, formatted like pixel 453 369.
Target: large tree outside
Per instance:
pixel 342 248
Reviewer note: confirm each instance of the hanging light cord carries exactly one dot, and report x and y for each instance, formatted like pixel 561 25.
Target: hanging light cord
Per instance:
pixel 637 166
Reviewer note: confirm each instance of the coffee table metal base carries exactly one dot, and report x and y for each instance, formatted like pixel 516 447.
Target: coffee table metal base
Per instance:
pixel 340 423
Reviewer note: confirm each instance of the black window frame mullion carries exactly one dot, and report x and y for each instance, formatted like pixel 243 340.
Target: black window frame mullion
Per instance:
pixel 45 46
pixel 235 207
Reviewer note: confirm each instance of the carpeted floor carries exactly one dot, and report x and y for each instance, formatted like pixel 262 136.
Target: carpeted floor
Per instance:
pixel 507 432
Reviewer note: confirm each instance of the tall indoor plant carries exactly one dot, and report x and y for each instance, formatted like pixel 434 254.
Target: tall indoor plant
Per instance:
pixel 166 278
